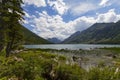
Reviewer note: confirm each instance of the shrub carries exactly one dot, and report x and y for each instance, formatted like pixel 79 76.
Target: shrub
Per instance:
pixel 68 72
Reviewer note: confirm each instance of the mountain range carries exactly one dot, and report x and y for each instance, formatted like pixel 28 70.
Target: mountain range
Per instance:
pixel 98 33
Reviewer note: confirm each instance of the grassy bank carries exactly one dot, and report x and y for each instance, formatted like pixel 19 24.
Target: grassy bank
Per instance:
pixel 47 65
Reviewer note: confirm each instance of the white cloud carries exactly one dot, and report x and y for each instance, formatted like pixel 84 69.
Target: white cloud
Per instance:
pixel 82 8
pixel 38 3
pixel 104 2
pixel 25 21
pixel 58 5
pixel 77 9
pixel 83 22
pixel 27 15
pixel 109 16
pixel 54 26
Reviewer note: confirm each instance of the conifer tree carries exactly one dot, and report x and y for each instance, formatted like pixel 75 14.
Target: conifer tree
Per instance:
pixel 11 13
pixel 13 34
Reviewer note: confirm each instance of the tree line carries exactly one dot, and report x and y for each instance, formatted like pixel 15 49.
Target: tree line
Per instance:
pixel 11 16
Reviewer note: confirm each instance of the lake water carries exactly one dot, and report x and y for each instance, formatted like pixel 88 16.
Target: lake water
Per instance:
pixel 69 46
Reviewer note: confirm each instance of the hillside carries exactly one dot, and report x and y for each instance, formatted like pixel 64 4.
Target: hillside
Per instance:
pixel 32 38
pixel 98 33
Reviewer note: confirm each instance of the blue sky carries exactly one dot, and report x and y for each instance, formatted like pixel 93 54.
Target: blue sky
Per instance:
pixel 61 18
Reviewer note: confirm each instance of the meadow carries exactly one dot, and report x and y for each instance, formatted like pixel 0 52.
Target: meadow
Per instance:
pixel 47 64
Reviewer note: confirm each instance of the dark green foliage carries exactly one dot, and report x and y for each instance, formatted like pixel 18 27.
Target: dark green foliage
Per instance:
pixel 3 21
pixel 100 33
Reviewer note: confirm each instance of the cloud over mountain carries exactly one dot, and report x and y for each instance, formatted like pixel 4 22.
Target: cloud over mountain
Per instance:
pixel 68 18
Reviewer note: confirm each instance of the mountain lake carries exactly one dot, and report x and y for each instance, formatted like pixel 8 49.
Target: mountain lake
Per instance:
pixel 70 46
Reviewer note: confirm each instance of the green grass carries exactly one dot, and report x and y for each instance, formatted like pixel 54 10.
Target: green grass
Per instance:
pixel 113 49
pixel 43 65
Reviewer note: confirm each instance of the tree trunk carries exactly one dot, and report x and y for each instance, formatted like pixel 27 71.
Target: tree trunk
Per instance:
pixel 2 38
pixel 8 49
pixel 1 47
pixel 10 45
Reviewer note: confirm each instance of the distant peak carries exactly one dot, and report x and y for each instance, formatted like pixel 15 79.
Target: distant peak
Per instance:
pixel 54 40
